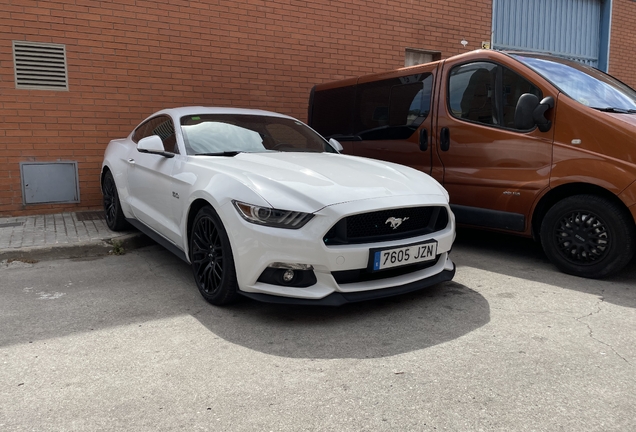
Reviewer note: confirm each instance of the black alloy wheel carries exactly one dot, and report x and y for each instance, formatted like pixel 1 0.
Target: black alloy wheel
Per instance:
pixel 115 218
pixel 588 236
pixel 211 258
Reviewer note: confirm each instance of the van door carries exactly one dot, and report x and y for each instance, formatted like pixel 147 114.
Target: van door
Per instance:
pixel 492 170
pixel 393 118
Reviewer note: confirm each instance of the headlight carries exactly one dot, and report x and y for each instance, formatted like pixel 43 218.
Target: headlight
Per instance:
pixel 272 217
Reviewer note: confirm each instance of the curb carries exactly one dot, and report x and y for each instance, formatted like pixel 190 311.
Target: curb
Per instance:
pixel 91 248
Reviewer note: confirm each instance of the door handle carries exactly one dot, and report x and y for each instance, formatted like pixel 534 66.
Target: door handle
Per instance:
pixel 131 161
pixel 444 139
pixel 423 140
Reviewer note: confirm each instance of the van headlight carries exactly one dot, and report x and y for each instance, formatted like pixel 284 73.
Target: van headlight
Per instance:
pixel 272 217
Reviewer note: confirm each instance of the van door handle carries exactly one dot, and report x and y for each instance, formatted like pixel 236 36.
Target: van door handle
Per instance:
pixel 423 140
pixel 131 161
pixel 444 139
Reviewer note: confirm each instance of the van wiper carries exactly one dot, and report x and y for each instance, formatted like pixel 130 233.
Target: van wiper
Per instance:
pixel 616 110
pixel 225 153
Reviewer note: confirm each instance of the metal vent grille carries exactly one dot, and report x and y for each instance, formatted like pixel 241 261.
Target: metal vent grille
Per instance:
pixel 40 66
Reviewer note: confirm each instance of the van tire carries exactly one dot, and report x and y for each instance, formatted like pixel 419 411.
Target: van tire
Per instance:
pixel 588 236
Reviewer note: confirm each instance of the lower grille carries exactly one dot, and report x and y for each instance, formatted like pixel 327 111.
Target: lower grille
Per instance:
pixel 385 225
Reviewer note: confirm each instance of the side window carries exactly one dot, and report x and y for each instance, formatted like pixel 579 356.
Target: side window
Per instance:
pixel 514 85
pixel 472 92
pixel 487 93
pixel 161 126
pixel 410 103
pixel 332 111
pixel 393 108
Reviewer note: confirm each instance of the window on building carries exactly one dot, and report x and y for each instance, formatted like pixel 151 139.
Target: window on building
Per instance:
pixel 414 56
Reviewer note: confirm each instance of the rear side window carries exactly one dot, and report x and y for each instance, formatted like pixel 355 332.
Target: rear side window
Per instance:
pixel 379 110
pixel 393 108
pixel 487 93
pixel 332 112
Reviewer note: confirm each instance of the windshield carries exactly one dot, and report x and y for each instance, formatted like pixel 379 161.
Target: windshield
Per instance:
pixel 228 134
pixel 584 84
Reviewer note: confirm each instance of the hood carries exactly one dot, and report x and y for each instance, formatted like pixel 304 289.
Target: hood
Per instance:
pixel 311 181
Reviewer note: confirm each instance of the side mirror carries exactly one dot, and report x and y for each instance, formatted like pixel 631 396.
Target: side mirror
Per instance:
pixel 538 114
pixel 335 144
pixel 524 110
pixel 153 144
pixel 529 112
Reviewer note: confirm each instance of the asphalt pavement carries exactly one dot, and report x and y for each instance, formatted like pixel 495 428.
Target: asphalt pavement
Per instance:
pixel 97 341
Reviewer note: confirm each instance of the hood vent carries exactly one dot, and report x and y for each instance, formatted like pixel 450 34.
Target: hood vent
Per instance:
pixel 40 66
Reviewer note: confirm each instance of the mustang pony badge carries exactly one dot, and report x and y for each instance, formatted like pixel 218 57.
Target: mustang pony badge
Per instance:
pixel 395 222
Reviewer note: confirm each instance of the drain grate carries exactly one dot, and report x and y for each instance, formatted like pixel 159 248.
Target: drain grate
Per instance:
pixel 89 215
pixel 11 224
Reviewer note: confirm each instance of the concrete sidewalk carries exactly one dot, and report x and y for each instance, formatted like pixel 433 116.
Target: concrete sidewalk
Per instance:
pixel 63 235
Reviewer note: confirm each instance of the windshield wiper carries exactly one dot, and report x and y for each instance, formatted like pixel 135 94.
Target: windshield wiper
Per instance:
pixel 225 153
pixel 616 110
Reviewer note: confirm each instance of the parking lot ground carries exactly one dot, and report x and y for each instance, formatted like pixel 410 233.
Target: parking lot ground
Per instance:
pixel 127 343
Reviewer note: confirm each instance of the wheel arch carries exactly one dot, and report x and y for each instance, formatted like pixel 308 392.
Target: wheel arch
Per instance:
pixel 557 194
pixel 105 169
pixel 194 209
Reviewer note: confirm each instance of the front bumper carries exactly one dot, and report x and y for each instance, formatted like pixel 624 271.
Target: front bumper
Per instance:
pixel 255 248
pixel 340 298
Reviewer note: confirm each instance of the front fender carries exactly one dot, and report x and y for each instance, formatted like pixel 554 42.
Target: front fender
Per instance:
pixel 116 160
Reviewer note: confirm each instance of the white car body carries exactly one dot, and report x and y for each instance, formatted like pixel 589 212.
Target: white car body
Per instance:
pixel 159 194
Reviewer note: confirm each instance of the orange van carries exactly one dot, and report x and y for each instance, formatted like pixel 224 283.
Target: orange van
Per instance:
pixel 525 143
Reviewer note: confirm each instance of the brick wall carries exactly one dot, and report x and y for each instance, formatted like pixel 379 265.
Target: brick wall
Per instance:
pixel 127 59
pixel 622 48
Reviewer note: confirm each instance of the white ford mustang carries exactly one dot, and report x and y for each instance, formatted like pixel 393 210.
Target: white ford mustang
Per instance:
pixel 261 205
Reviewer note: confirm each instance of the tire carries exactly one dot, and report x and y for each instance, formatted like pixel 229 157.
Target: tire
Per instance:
pixel 212 259
pixel 588 236
pixel 115 218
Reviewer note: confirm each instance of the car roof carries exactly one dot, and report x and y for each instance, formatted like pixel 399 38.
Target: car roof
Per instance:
pixel 179 112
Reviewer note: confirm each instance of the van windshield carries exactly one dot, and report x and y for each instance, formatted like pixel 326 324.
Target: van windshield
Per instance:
pixel 582 83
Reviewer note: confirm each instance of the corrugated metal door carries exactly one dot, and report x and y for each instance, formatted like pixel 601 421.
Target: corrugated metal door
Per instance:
pixel 567 28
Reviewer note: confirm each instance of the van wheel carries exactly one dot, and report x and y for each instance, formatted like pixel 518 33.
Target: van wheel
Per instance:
pixel 588 236
pixel 212 260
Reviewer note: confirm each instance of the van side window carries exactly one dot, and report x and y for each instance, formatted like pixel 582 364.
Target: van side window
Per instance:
pixel 487 93
pixel 472 92
pixel 332 113
pixel 514 85
pixel 393 108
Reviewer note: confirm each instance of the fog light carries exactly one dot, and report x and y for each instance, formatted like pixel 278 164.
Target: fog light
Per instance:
pixel 288 276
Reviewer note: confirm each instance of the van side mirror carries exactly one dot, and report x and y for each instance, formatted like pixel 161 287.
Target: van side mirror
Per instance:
pixel 336 144
pixel 538 114
pixel 529 112
pixel 524 110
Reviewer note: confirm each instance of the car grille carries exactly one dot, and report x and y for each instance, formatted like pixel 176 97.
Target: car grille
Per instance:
pixel 379 226
pixel 364 275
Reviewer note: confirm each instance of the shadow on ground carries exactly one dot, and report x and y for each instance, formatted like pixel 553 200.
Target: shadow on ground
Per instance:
pixel 523 258
pixel 57 298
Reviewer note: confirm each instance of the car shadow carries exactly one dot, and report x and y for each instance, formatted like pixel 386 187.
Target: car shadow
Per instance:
pixel 371 329
pixel 524 258
pixel 149 284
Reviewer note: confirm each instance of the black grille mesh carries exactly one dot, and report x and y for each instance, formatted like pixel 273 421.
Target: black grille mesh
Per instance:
pixel 377 226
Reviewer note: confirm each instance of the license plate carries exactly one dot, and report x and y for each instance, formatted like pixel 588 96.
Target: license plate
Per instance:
pixel 395 257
